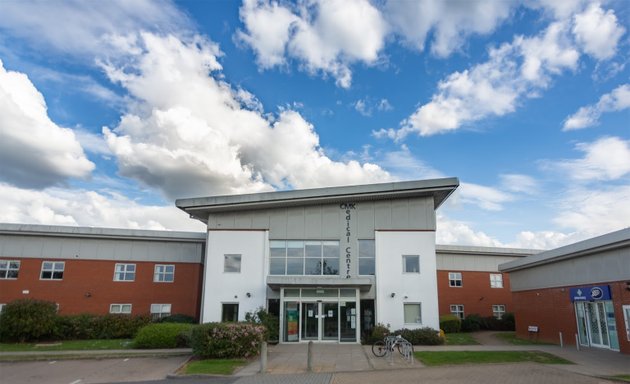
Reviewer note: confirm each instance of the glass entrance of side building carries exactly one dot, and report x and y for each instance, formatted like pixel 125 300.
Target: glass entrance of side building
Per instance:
pixel 596 324
pixel 321 314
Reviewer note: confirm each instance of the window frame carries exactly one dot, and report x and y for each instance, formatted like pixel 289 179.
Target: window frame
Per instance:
pixel 156 315
pixel 121 306
pixel 125 272
pixel 453 279
pixel 419 304
pixel 459 310
pixel 500 313
pixel 8 269
pixel 223 312
pixel 626 317
pixel 238 256
pixel 157 274
pixel 496 280
pixel 52 270
pixel 286 253
pixel 404 260
pixel 371 257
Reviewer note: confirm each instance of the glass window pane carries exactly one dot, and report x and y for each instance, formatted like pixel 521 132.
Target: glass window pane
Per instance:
pixel 331 249
pixel 411 263
pixel 367 248
pixel 295 266
pixel 3 264
pixel 278 248
pixel 366 266
pixel 331 266
pixel 276 266
pixel 295 249
pixel 412 314
pixel 232 263
pixel 313 267
pixel 291 293
pixel 313 248
pixel 346 292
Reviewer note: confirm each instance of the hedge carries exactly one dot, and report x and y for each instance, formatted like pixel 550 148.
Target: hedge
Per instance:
pixel 87 326
pixel 163 335
pixel 27 320
pixel 450 323
pixel 421 336
pixel 227 340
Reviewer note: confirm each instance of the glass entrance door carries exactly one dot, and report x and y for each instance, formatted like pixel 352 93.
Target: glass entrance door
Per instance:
pixel 597 326
pixel 330 321
pixel 320 321
pixel 310 321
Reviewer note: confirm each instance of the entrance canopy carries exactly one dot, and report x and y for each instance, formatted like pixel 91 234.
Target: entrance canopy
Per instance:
pixel 277 282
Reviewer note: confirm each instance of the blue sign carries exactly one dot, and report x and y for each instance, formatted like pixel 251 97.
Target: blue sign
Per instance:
pixel 592 293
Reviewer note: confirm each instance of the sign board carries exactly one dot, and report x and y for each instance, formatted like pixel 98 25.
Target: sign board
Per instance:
pixel 532 328
pixel 591 293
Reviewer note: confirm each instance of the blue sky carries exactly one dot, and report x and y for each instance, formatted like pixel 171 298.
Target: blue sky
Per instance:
pixel 111 110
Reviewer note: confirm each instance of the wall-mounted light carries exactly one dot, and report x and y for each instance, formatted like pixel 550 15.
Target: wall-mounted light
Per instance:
pixel 406 297
pixel 248 294
pixel 392 294
pixel 88 294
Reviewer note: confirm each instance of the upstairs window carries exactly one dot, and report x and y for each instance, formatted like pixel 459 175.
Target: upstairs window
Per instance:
pixel 124 272
pixel 367 257
pixel 411 264
pixel 9 269
pixel 164 273
pixel 455 279
pixel 52 270
pixel 496 280
pixel 296 257
pixel 232 263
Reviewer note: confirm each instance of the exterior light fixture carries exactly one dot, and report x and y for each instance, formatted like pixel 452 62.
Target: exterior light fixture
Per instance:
pixel 248 294
pixel 392 294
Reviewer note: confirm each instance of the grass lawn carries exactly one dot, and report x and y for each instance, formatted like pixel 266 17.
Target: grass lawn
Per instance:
pixel 622 377
pixel 460 339
pixel 67 345
pixel 214 367
pixel 487 357
pixel 511 338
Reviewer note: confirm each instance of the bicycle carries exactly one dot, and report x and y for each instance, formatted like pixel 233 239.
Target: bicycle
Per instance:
pixel 381 347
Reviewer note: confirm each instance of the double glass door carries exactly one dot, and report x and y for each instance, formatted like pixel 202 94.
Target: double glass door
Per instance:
pixel 320 321
pixel 596 324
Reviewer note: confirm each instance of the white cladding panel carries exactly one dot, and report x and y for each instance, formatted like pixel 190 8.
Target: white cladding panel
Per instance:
pixel 232 287
pixel 408 288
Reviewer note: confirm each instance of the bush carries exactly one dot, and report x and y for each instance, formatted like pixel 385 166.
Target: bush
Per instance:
pixel 472 323
pixel 27 320
pixel 378 333
pixel 421 336
pixel 162 335
pixel 271 323
pixel 87 326
pixel 227 340
pixel 75 327
pixel 450 323
pixel 178 318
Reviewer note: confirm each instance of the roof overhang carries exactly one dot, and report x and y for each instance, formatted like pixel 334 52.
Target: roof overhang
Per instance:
pixel 438 189
pixel 277 282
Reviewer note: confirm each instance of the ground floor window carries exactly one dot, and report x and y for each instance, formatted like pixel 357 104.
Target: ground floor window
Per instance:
pixel 159 311
pixel 367 318
pixel 626 316
pixel 498 311
pixel 229 312
pixel 120 309
pixel 413 313
pixel 458 310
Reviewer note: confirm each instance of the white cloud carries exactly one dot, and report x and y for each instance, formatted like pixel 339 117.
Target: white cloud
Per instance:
pixel 361 107
pixel 323 36
pixel 450 22
pixel 519 183
pixel 456 232
pixel 34 151
pixel 488 198
pixel 607 158
pixel 191 134
pixel 384 105
pixel 617 100
pixel 78 27
pixel 404 165
pixel 597 31
pixel 56 206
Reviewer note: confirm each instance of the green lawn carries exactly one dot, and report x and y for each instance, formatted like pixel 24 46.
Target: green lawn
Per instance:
pixel 622 377
pixel 486 357
pixel 460 339
pixel 214 367
pixel 67 345
pixel 511 338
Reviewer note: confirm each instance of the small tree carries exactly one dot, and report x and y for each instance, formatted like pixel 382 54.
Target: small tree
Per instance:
pixel 27 320
pixel 270 321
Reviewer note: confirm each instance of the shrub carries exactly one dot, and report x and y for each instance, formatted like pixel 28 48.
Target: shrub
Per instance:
pixel 421 336
pixel 472 323
pixel 118 326
pixel 227 340
pixel 178 318
pixel 27 320
pixel 378 333
pixel 450 323
pixel 75 327
pixel 162 335
pixel 271 322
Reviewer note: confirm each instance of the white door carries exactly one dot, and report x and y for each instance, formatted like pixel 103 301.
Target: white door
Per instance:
pixel 597 325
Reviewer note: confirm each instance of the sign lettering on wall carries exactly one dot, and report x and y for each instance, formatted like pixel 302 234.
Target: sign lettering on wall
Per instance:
pixel 348 208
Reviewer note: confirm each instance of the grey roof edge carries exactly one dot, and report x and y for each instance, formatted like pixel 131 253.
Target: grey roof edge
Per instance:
pixel 488 251
pixel 99 232
pixel 305 195
pixel 609 241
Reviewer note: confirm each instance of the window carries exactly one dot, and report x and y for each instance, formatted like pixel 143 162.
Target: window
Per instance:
pixel 626 317
pixel 411 264
pixel 367 256
pixel 413 314
pixel 52 270
pixel 159 311
pixel 454 279
pixel 164 273
pixel 496 280
pixel 125 272
pixel 296 257
pixel 9 269
pixel 230 312
pixel 458 310
pixel 498 311
pixel 232 263
pixel 2 307
pixel 120 309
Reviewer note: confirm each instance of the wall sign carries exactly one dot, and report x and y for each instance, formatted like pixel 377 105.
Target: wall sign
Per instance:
pixel 592 293
pixel 348 207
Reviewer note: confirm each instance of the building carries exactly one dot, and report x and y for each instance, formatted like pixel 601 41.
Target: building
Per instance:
pixel 98 270
pixel 579 293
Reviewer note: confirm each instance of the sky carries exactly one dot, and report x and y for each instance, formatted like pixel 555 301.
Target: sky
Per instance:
pixel 110 110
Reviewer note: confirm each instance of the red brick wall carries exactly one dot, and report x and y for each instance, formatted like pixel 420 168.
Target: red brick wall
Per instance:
pixel 552 311
pixel 96 277
pixel 475 293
